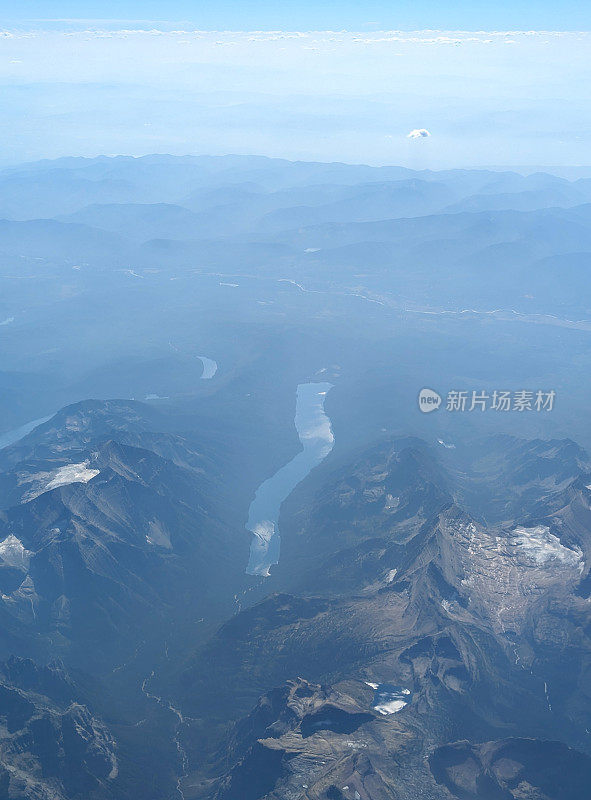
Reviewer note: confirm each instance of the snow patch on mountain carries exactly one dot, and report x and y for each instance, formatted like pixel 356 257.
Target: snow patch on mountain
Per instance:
pixel 13 554
pixel 389 699
pixel 63 476
pixel 543 547
pixel 158 536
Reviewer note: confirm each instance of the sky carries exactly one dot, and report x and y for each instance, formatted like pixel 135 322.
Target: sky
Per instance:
pixel 314 15
pixel 485 83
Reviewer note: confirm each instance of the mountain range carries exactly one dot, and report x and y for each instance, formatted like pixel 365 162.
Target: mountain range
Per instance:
pixel 425 632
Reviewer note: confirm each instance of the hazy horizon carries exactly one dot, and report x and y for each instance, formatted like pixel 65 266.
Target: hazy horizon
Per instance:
pixel 567 171
pixel 424 100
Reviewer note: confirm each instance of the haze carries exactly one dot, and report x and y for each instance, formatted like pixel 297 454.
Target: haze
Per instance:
pixel 487 98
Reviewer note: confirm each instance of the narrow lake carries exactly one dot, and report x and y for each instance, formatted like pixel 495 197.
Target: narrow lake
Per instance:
pixel 315 432
pixel 10 437
pixel 210 367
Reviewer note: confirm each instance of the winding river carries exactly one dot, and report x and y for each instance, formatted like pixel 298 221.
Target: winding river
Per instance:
pixel 315 432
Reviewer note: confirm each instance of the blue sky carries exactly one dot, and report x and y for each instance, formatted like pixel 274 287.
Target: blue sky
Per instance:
pixel 329 14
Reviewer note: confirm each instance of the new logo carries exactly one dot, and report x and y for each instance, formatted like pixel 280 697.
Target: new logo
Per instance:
pixel 429 400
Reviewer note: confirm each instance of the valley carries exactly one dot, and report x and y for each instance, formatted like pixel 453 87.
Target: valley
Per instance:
pixel 236 561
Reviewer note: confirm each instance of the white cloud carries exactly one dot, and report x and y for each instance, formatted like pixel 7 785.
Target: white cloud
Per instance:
pixel 418 133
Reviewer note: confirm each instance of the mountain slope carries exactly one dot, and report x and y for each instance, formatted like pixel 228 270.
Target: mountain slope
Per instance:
pixel 456 621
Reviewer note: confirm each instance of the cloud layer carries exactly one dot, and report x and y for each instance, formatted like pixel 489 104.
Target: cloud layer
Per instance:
pixel 492 97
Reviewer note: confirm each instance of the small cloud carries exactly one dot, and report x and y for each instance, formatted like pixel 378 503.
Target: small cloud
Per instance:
pixel 418 133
